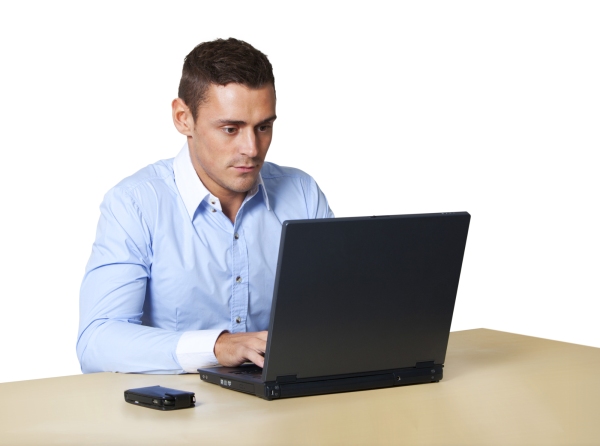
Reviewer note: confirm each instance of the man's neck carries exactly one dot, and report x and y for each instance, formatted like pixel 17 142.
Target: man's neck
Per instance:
pixel 231 203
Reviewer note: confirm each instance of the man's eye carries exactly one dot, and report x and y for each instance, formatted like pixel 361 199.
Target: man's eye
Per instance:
pixel 264 128
pixel 229 130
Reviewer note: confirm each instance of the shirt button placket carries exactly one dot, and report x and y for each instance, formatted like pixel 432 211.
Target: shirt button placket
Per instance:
pixel 238 279
pixel 240 285
pixel 239 293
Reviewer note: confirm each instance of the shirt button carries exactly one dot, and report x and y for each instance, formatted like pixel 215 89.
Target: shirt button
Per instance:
pixel 236 236
pixel 213 210
pixel 238 319
pixel 238 279
pixel 212 202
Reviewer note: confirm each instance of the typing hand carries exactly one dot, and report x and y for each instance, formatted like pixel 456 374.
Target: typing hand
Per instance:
pixel 233 349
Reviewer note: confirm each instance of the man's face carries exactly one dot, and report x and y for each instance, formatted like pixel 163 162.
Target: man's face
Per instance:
pixel 231 136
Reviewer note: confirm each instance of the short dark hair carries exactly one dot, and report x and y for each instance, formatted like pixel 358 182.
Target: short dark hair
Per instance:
pixel 222 62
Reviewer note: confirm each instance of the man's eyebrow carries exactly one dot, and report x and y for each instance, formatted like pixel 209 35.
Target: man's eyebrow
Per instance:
pixel 229 122
pixel 271 119
pixel 234 122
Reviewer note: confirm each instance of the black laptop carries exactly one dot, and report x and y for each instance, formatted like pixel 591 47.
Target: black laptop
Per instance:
pixel 359 303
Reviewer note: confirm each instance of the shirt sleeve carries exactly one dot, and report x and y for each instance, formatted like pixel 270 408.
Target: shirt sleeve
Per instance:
pixel 316 202
pixel 111 334
pixel 195 349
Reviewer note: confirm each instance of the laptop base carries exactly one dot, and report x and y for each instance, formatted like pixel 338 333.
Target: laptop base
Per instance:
pixel 233 378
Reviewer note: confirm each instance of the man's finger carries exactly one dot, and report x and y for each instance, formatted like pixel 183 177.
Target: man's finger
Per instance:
pixel 257 345
pixel 256 358
pixel 233 349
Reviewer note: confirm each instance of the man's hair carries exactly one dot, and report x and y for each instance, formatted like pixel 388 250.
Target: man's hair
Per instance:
pixel 222 62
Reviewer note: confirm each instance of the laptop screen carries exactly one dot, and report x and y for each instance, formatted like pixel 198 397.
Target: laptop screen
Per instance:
pixel 366 294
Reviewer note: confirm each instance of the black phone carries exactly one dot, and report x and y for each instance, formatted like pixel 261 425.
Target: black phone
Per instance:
pixel 160 398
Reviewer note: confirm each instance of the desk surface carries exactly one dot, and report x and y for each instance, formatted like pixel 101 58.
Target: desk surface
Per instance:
pixel 498 388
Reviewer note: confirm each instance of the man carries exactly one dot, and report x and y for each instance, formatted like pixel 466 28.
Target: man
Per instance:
pixel 182 271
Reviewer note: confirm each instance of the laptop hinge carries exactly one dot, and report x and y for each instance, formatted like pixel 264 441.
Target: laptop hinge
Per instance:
pixel 423 364
pixel 287 378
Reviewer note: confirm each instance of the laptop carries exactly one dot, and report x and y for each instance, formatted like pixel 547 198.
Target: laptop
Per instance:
pixel 359 303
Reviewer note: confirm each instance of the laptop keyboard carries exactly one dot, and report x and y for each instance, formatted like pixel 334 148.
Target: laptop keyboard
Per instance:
pixel 255 371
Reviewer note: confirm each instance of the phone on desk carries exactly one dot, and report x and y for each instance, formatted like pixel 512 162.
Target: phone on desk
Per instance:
pixel 160 398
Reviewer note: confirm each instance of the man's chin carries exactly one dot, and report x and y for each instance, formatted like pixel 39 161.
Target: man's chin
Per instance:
pixel 243 185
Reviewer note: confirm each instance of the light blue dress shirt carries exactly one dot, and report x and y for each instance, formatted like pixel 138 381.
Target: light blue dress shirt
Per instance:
pixel 169 271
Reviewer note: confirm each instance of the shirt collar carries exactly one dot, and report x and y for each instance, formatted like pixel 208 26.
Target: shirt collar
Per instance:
pixel 193 191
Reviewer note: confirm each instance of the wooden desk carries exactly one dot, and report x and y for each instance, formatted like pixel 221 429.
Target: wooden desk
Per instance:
pixel 498 388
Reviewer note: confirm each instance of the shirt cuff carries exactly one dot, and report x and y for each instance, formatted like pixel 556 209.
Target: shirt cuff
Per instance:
pixel 195 349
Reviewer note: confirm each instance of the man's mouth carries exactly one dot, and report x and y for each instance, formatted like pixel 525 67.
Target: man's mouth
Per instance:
pixel 244 169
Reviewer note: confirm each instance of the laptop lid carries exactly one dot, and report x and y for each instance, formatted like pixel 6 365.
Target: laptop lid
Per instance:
pixel 366 294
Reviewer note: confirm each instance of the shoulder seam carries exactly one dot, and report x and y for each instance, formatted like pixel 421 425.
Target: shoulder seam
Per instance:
pixel 296 173
pixel 136 184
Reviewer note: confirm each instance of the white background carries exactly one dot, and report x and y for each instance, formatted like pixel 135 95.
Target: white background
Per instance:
pixel 488 107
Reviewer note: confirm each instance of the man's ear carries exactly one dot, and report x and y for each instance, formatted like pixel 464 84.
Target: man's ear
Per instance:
pixel 182 117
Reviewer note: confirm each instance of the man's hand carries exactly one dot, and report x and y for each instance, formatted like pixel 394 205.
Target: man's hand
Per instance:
pixel 233 349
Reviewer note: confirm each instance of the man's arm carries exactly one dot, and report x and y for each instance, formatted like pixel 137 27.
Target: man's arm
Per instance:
pixel 111 337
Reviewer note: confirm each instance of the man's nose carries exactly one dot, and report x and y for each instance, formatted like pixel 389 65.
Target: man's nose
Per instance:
pixel 249 144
